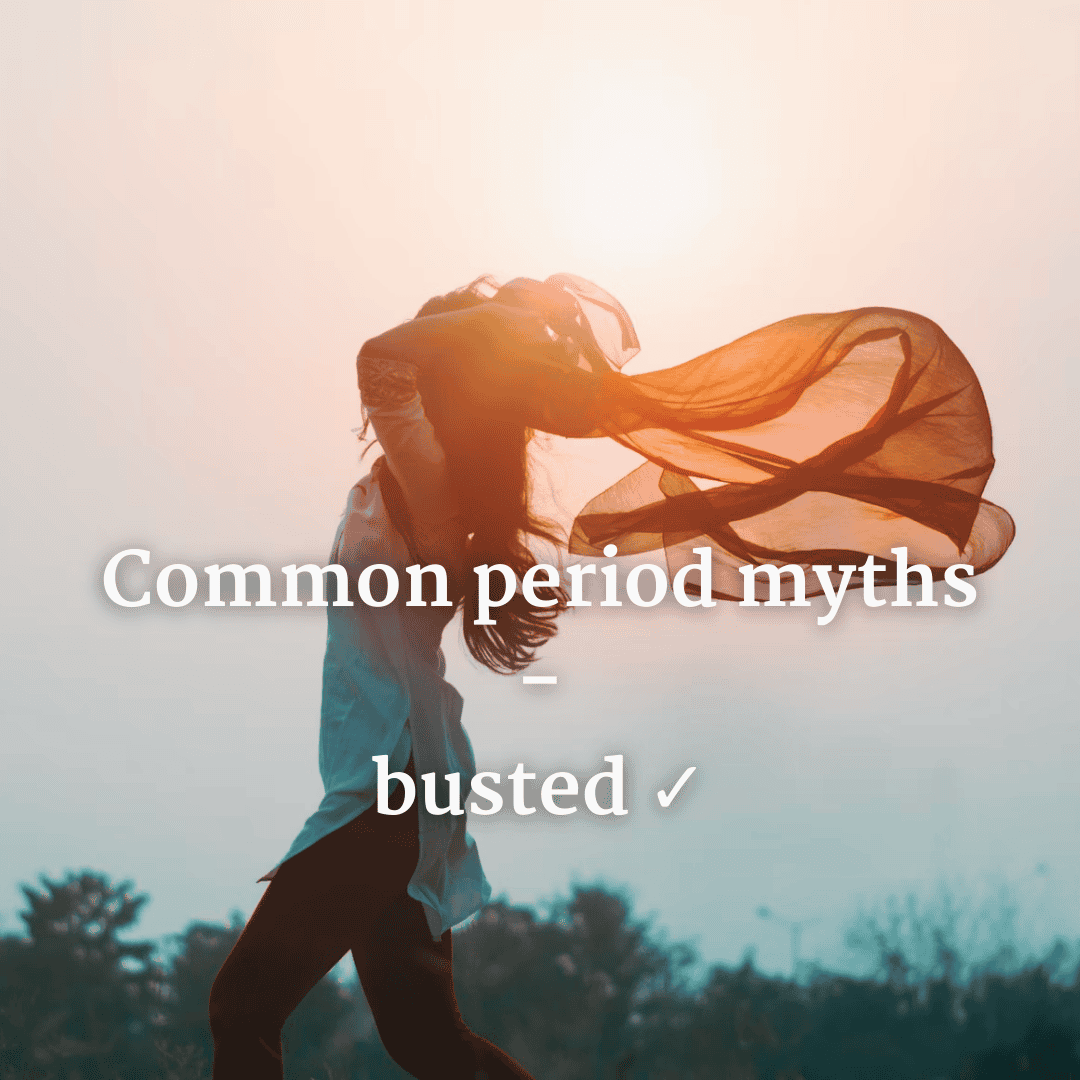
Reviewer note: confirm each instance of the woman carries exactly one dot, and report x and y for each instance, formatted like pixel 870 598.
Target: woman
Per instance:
pixel 843 435
pixel 450 490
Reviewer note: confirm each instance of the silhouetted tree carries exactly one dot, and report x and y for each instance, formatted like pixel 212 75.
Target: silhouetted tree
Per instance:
pixel 199 953
pixel 1047 1051
pixel 77 1001
pixel 577 995
pixel 588 992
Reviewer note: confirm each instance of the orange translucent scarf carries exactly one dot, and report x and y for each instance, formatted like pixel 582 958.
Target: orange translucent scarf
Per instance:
pixel 821 439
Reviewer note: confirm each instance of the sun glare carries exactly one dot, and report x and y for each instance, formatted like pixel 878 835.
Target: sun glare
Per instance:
pixel 635 175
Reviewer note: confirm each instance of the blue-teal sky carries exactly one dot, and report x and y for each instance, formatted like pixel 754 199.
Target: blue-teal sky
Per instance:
pixel 205 208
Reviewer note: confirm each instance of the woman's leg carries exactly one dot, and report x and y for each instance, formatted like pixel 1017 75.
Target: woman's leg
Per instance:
pixel 408 980
pixel 348 891
pixel 305 923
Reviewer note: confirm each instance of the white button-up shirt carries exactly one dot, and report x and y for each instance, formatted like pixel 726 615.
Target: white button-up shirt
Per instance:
pixel 383 685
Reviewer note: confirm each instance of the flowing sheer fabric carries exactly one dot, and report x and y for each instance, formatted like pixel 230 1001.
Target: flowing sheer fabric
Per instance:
pixel 822 439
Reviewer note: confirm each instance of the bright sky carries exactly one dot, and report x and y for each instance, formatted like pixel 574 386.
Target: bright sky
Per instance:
pixel 206 207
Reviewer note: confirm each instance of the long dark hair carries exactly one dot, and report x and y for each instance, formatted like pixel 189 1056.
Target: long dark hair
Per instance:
pixel 487 461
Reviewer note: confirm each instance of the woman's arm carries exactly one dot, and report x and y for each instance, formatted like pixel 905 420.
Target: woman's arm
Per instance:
pixel 503 361
pixel 413 454
pixel 425 342
pixel 490 339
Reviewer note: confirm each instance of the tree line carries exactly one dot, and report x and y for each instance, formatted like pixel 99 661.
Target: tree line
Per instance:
pixel 586 991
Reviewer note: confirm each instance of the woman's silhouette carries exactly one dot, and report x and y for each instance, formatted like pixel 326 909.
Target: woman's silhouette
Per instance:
pixel 828 438
pixel 451 490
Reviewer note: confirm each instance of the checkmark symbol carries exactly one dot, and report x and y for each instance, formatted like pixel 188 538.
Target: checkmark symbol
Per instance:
pixel 666 798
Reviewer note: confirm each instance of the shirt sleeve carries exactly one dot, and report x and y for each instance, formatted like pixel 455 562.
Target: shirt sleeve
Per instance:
pixel 388 390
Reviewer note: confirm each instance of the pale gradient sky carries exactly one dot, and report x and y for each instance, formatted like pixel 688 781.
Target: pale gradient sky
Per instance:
pixel 206 207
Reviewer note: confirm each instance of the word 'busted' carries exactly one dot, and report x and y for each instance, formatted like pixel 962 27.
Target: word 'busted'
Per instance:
pixel 558 786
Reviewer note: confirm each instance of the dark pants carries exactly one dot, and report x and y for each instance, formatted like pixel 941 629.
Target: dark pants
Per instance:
pixel 347 893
